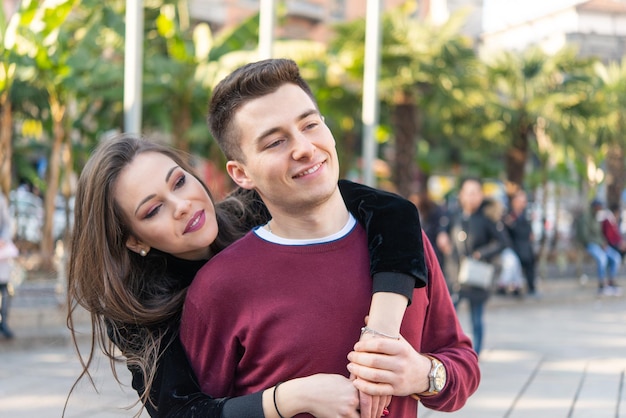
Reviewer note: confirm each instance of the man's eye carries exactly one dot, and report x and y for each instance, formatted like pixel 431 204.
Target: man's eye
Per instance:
pixel 274 144
pixel 311 125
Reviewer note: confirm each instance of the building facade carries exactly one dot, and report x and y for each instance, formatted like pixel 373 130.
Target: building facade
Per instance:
pixel 313 19
pixel 596 27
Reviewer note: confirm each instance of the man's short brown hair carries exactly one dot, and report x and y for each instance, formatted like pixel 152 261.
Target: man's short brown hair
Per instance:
pixel 246 83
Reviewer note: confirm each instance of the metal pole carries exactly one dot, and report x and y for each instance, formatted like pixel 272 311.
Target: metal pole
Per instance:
pixel 370 89
pixel 133 66
pixel 267 12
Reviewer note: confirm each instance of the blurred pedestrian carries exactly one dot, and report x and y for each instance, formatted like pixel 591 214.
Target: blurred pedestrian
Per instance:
pixel 611 229
pixel 510 278
pixel 474 235
pixel 8 251
pixel 588 232
pixel 520 231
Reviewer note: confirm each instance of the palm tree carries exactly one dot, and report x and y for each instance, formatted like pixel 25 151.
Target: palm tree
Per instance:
pixel 7 76
pixel 425 68
pixel 49 48
pixel 612 93
pixel 530 86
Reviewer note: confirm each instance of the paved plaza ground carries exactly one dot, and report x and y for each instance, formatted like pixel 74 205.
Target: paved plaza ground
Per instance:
pixel 563 355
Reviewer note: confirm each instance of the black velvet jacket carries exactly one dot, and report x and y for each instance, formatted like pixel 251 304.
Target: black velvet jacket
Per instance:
pixel 397 265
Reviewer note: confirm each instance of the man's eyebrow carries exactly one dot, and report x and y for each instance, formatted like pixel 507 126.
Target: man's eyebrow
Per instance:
pixel 273 130
pixel 167 178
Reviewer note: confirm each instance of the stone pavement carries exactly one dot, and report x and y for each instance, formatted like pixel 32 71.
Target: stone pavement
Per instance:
pixel 562 355
pixel 547 360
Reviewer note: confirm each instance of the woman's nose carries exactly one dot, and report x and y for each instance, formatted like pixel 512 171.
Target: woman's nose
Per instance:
pixel 182 207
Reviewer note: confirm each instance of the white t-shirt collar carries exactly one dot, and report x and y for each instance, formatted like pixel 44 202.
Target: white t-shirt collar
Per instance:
pixel 263 233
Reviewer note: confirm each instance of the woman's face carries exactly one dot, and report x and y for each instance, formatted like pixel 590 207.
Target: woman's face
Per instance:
pixel 471 196
pixel 167 208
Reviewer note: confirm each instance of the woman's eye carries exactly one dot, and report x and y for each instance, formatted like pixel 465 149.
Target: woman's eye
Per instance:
pixel 153 212
pixel 180 182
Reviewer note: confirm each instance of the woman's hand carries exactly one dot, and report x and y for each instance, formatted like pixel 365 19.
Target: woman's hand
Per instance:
pixel 385 366
pixel 321 395
pixel 373 406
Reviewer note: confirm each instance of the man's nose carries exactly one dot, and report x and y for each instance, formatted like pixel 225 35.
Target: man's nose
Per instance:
pixel 303 147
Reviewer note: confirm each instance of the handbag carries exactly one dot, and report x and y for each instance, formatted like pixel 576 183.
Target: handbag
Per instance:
pixel 8 250
pixel 476 273
pixel 472 272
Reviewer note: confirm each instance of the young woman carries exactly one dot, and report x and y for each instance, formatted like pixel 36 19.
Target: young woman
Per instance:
pixel 144 224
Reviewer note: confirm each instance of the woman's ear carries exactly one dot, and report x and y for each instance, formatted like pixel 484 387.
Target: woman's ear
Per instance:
pixel 237 171
pixel 133 244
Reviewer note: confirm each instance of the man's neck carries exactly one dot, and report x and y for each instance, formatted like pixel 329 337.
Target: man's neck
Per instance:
pixel 316 222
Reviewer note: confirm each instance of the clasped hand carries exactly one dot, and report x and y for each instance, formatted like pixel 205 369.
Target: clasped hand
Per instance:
pixel 383 367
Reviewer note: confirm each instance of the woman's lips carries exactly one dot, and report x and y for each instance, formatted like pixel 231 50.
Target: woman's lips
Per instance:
pixel 196 222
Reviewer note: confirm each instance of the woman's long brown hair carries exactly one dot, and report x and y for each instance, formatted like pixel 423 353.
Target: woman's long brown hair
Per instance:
pixel 130 299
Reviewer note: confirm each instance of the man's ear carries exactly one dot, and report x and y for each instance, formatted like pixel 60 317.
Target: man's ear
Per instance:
pixel 237 172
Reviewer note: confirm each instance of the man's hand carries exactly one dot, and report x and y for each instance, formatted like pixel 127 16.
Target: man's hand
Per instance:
pixel 384 366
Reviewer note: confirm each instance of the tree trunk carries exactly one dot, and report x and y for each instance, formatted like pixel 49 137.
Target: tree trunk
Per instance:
pixel 405 128
pixel 615 175
pixel 47 240
pixel 346 150
pixel 515 159
pixel 67 188
pixel 181 122
pixel 6 133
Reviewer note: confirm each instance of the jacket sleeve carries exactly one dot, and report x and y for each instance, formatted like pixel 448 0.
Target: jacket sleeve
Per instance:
pixel 176 391
pixel 394 236
pixel 497 240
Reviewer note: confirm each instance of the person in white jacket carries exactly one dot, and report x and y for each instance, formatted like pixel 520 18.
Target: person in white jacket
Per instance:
pixel 8 251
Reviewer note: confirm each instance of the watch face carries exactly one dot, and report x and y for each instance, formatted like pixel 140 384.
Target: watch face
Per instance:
pixel 440 377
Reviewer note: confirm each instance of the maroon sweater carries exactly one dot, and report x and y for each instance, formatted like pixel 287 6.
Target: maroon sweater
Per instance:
pixel 259 313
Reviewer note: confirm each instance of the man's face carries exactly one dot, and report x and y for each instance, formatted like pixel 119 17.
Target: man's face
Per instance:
pixel 290 155
pixel 519 202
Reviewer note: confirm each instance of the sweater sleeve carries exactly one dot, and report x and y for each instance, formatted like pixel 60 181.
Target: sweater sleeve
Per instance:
pixel 394 236
pixel 497 240
pixel 445 340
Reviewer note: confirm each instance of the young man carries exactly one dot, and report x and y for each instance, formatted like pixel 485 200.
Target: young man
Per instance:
pixel 289 299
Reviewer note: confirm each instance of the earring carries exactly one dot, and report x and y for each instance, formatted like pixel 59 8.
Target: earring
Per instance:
pixel 143 252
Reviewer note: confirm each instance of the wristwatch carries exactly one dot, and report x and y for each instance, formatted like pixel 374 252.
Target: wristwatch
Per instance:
pixel 436 378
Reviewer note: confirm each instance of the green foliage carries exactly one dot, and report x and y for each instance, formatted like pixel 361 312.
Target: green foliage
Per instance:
pixel 470 111
pixel 243 37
